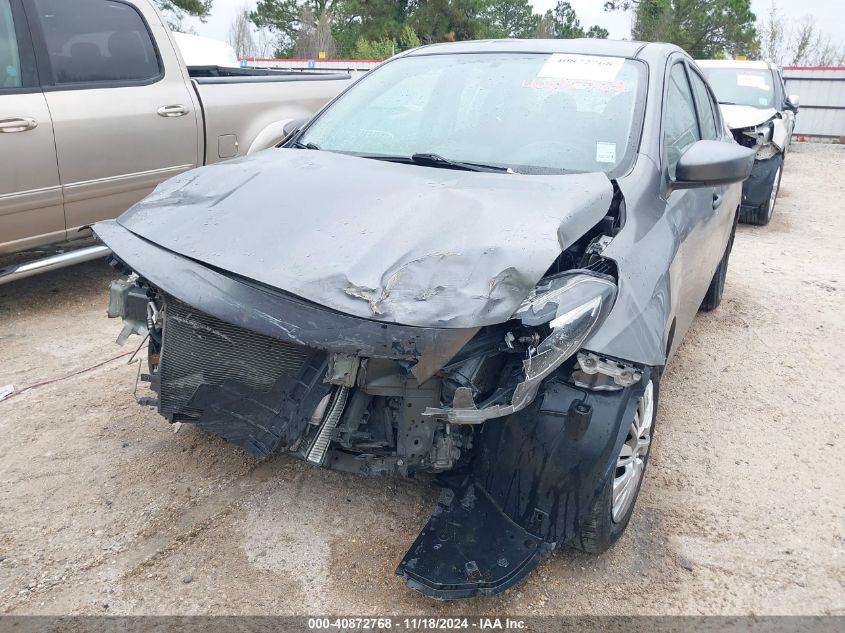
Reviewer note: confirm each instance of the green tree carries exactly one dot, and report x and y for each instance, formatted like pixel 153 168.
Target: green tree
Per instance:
pixel 512 18
pixel 408 38
pixel 175 12
pixel 545 28
pixel 196 8
pixel 562 23
pixel 374 21
pixel 377 28
pixel 704 28
pixel 566 23
pixel 282 19
pixel 386 47
pixel 380 49
pixel 452 20
pixel 597 32
pixel 290 20
pixel 380 18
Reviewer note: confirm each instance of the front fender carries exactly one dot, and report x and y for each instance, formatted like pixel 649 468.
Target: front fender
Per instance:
pixel 545 465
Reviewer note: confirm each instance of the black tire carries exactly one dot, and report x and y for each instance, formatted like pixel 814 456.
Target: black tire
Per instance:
pixel 600 531
pixel 762 215
pixel 716 289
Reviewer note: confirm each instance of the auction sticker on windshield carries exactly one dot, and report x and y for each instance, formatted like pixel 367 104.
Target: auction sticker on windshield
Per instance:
pixel 752 81
pixel 605 152
pixel 584 67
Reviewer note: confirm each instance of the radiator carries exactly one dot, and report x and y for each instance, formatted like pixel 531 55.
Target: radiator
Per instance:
pixel 200 349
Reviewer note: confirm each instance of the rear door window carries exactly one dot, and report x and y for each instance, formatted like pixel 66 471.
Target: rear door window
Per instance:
pixel 10 61
pixel 97 41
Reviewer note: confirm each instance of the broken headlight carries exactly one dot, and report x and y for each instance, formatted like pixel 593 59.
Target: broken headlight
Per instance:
pixel 568 307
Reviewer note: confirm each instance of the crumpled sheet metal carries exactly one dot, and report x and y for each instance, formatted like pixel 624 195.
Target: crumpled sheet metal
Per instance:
pixel 656 261
pixel 278 314
pixel 390 242
pixel 645 254
pixel 739 117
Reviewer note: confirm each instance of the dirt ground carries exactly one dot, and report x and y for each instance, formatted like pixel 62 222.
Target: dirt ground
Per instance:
pixel 106 511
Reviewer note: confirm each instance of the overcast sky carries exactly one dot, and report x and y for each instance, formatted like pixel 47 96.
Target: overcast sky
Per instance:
pixel 829 14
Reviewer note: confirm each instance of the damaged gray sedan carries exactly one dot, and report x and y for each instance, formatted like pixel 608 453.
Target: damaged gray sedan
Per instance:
pixel 475 262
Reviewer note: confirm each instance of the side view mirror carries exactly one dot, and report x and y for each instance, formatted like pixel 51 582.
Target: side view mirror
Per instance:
pixel 711 163
pixel 293 126
pixel 793 100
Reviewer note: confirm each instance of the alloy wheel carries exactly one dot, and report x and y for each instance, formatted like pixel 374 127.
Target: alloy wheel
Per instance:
pixel 631 461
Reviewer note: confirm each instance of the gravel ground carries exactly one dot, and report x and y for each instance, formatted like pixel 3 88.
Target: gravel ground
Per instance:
pixel 106 510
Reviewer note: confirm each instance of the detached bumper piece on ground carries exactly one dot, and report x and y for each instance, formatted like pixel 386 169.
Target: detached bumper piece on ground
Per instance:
pixel 469 547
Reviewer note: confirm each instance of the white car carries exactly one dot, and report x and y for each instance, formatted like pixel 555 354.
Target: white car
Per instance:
pixel 761 116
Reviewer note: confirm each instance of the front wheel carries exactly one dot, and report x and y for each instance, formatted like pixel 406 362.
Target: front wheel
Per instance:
pixel 614 506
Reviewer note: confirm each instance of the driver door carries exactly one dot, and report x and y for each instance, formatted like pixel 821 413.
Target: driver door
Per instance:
pixel 690 211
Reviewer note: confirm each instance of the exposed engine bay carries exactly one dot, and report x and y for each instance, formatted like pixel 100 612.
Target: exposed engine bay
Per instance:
pixel 769 140
pixel 766 139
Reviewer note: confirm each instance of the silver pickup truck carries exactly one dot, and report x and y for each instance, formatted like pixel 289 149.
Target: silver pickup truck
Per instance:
pixel 97 107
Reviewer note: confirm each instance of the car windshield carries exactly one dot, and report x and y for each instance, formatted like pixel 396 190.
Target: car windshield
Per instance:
pixel 532 113
pixel 742 86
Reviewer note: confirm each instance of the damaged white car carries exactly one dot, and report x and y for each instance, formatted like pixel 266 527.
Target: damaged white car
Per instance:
pixel 475 263
pixel 761 116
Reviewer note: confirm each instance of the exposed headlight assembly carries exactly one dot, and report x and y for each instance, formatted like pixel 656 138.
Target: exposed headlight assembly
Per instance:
pixel 762 134
pixel 573 305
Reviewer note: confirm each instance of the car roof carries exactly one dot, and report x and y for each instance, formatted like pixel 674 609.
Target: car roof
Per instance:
pixel 582 46
pixel 733 63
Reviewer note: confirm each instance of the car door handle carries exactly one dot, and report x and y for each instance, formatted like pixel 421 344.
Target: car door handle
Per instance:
pixel 17 124
pixel 717 200
pixel 172 111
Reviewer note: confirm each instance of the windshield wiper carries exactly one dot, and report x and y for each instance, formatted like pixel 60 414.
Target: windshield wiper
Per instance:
pixel 306 145
pixel 436 160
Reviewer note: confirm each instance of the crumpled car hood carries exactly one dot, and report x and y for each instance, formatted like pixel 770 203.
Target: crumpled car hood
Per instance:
pixel 741 116
pixel 393 242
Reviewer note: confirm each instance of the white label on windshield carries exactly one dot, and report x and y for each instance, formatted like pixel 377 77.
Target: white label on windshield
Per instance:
pixel 605 152
pixel 583 67
pixel 752 81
